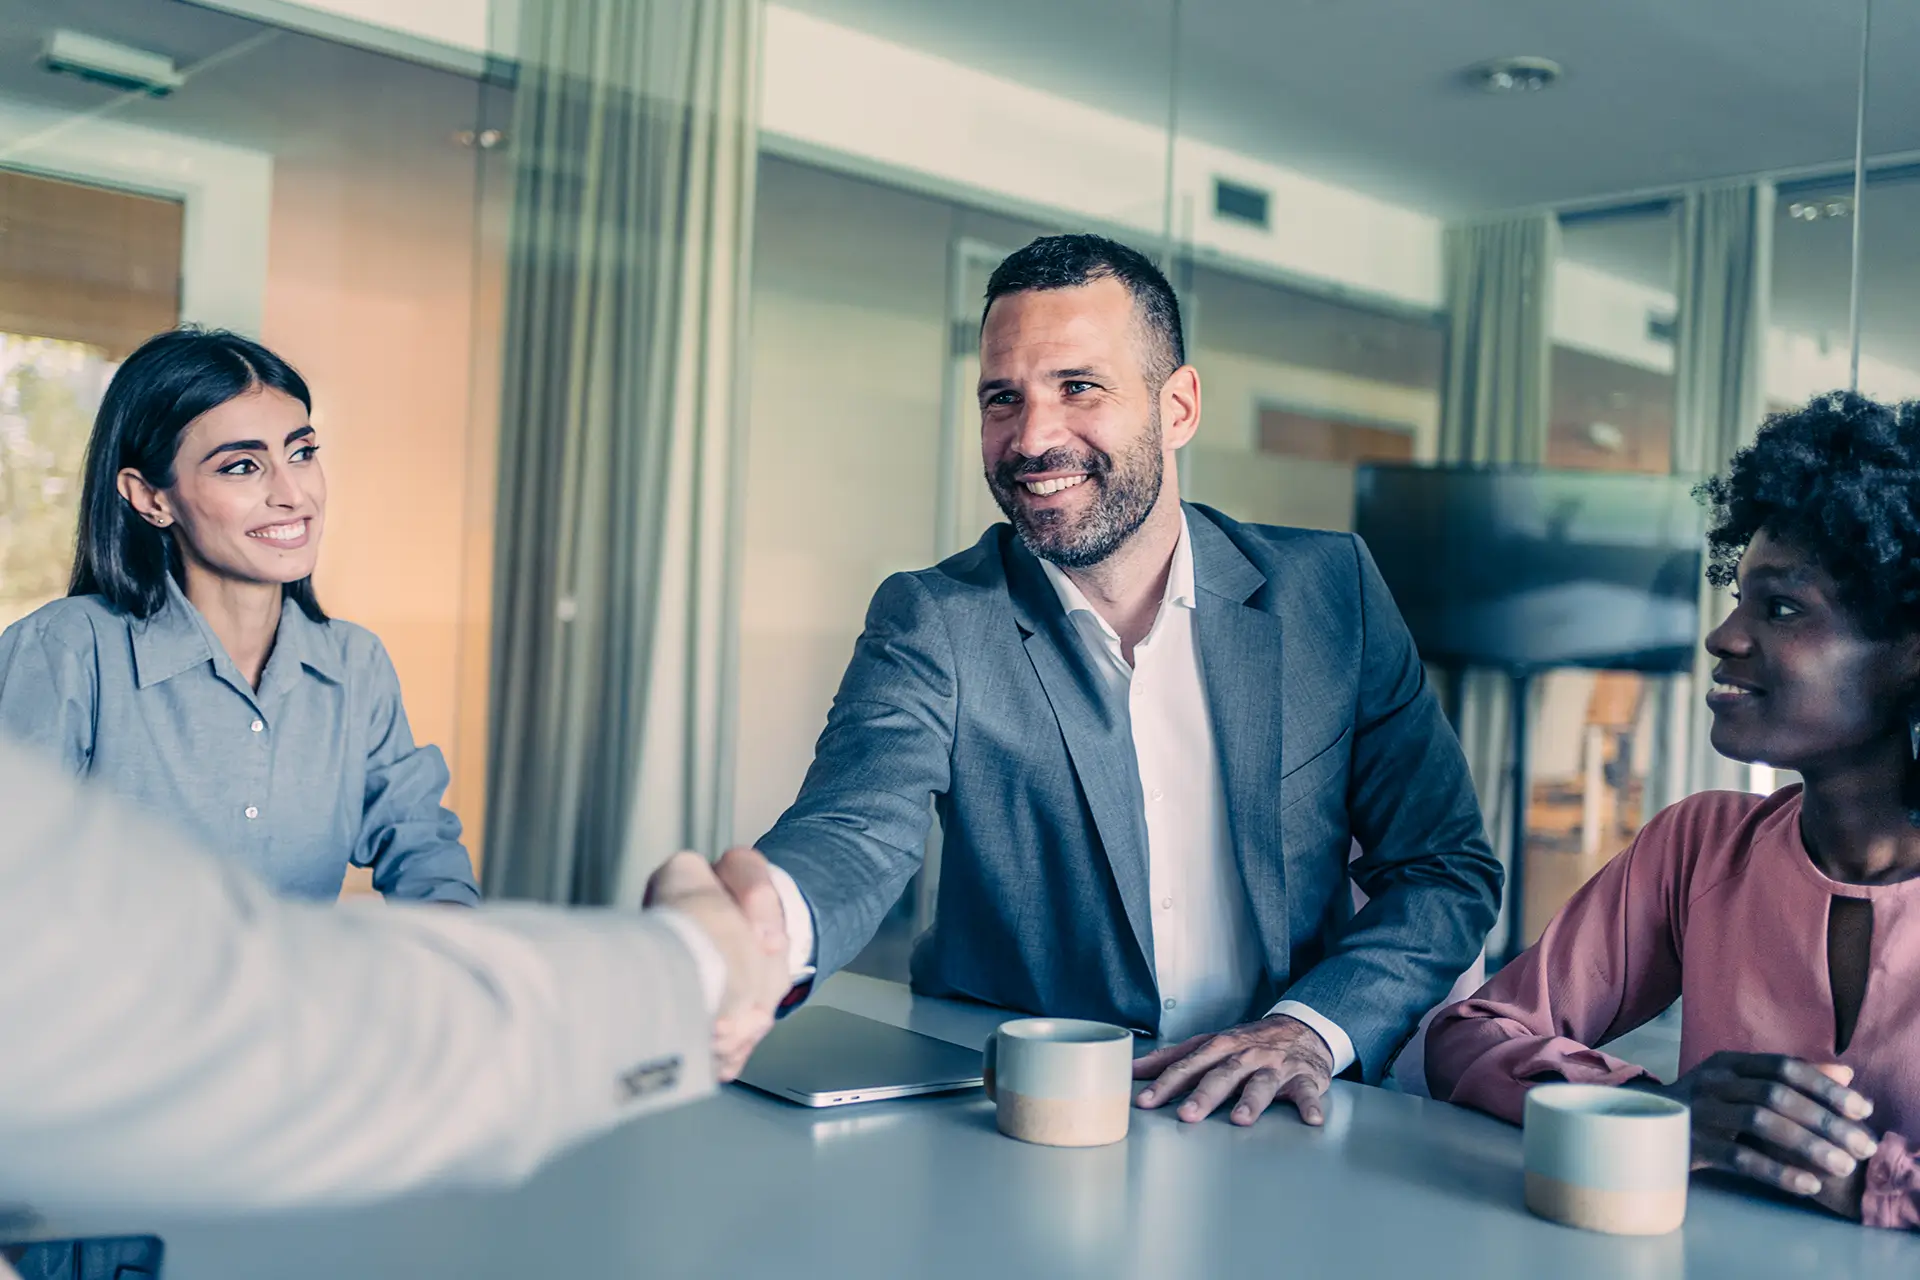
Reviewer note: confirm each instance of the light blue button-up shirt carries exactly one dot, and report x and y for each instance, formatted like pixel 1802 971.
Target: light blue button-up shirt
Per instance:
pixel 315 769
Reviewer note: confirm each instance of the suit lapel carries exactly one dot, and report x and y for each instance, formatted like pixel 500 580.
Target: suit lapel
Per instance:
pixel 1240 655
pixel 1097 732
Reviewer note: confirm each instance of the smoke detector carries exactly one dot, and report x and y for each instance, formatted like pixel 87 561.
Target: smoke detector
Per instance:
pixel 118 66
pixel 1516 75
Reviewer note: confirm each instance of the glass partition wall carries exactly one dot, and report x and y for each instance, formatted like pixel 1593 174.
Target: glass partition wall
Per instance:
pixel 1630 144
pixel 322 197
pixel 1315 182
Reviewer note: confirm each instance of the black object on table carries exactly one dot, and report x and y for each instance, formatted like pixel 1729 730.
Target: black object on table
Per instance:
pixel 100 1258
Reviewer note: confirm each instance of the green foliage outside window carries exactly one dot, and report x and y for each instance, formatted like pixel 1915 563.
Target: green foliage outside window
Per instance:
pixel 49 390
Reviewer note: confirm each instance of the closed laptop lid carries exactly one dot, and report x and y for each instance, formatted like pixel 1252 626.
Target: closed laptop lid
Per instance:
pixel 822 1055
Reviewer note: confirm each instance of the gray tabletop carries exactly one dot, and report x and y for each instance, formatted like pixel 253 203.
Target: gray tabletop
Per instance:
pixel 743 1185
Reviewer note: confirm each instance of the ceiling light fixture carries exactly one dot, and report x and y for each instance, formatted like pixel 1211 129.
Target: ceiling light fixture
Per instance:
pixel 117 66
pixel 1516 75
pixel 1814 210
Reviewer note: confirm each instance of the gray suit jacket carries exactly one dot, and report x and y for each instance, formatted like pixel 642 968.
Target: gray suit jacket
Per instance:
pixel 180 1037
pixel 969 687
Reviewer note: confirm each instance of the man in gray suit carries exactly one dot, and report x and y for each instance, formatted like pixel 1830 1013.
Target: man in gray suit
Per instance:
pixel 180 1037
pixel 1151 735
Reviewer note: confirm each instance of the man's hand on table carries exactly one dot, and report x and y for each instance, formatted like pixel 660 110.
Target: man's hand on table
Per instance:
pixel 1276 1057
pixel 753 946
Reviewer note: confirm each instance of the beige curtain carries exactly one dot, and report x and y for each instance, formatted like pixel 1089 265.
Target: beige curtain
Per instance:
pixel 615 592
pixel 1726 258
pixel 1494 409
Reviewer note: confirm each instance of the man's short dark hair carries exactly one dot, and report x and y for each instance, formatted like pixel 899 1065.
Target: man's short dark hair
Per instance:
pixel 1067 262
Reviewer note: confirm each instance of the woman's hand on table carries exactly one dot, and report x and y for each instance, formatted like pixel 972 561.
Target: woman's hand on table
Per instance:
pixel 1780 1121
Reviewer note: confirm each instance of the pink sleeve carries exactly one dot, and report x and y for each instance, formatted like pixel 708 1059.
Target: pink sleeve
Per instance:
pixel 1606 964
pixel 1892 1194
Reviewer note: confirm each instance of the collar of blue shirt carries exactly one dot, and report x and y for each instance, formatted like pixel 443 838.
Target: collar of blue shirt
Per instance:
pixel 177 639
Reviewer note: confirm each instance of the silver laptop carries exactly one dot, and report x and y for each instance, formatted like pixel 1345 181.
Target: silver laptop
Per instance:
pixel 825 1057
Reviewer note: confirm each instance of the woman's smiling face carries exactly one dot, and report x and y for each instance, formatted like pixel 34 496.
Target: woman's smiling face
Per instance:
pixel 248 493
pixel 1798 683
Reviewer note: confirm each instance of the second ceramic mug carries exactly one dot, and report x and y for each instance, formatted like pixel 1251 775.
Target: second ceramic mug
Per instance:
pixel 1607 1159
pixel 1061 1082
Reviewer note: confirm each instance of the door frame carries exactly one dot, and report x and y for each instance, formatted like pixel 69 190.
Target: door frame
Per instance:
pixel 959 438
pixel 958 478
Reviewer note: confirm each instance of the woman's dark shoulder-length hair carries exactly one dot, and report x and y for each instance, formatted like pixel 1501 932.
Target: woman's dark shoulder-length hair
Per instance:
pixel 172 379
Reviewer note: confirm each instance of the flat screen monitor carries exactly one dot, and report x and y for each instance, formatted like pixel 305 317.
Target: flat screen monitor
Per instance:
pixel 1527 569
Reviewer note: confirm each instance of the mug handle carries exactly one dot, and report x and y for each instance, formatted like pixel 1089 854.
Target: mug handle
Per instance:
pixel 990 1054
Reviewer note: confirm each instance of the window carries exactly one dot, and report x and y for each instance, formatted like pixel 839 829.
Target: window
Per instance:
pixel 86 273
pixel 49 390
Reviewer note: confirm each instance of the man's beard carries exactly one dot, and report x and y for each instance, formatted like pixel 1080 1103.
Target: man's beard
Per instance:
pixel 1124 494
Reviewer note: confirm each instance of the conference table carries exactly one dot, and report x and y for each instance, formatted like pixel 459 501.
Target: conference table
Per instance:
pixel 745 1185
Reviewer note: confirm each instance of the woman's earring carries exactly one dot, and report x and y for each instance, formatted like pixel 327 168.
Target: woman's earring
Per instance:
pixel 1913 745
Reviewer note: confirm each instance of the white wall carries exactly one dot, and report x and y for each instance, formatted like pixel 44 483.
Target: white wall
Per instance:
pixel 461 23
pixel 1607 316
pixel 1235 387
pixel 834 94
pixel 1798 367
pixel 1266 488
pixel 1223 467
pixel 843 98
pixel 829 91
pixel 457 33
pixel 849 342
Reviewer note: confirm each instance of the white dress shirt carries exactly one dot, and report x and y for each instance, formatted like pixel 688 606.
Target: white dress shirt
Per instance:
pixel 1207 960
pixel 179 1036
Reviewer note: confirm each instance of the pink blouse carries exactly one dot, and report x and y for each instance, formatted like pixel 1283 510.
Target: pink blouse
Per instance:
pixel 1717 900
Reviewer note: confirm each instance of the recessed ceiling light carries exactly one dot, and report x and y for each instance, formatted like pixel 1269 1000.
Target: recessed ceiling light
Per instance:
pixel 1814 210
pixel 1516 75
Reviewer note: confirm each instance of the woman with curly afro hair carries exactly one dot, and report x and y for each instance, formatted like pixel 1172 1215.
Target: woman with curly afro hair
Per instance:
pixel 1790 923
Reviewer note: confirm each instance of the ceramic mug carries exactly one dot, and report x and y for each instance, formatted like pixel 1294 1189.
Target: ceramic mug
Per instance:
pixel 1061 1082
pixel 1607 1159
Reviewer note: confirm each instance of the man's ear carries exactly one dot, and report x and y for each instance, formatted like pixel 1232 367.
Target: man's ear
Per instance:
pixel 149 503
pixel 1180 406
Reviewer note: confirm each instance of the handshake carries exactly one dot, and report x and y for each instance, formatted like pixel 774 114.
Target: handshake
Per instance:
pixel 733 902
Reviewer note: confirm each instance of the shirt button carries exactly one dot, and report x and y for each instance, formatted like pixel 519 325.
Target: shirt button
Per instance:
pixel 1166 904
pixel 1158 794
pixel 1169 1003
pixel 257 725
pixel 252 813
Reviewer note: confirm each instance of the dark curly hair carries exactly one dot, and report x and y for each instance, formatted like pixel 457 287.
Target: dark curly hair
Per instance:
pixel 1839 479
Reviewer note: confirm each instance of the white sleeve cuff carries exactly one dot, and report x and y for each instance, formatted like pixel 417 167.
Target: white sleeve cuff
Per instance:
pixel 799 920
pixel 1338 1042
pixel 706 955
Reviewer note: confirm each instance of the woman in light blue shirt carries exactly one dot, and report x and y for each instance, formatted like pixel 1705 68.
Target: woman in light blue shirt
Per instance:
pixel 190 666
